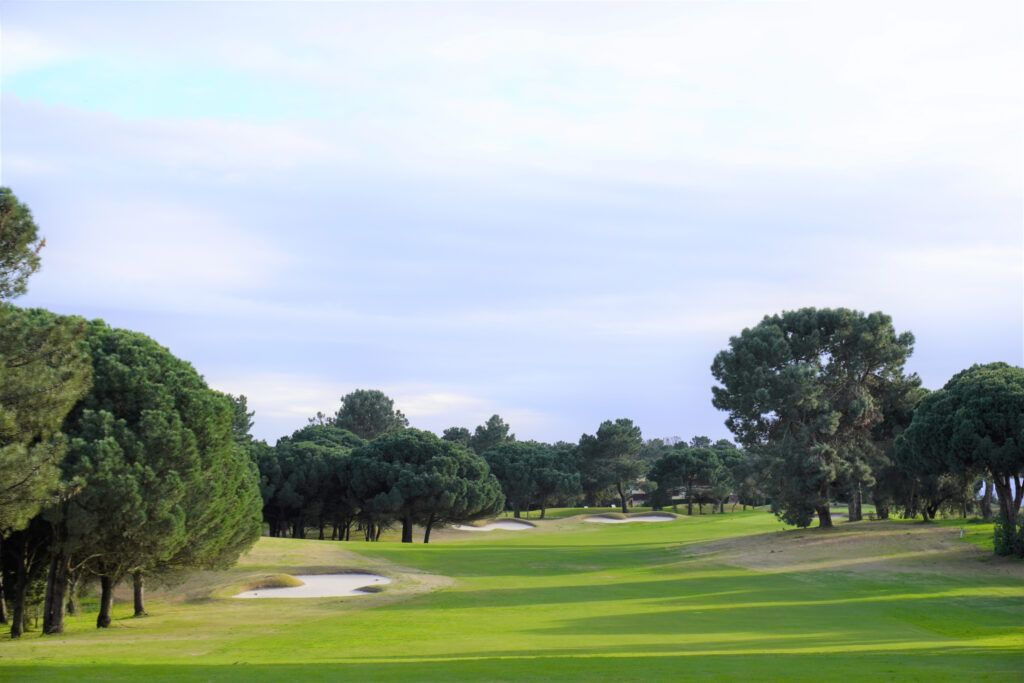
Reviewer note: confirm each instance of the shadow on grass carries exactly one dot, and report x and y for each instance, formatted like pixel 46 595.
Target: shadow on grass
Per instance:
pixel 961 664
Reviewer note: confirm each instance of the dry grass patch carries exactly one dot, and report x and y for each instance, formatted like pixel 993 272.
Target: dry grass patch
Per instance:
pixel 860 547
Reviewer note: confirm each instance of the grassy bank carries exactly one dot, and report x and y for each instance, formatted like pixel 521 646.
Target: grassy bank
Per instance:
pixel 722 596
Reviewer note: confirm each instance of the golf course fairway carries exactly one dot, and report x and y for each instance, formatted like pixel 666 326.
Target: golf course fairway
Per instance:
pixel 729 596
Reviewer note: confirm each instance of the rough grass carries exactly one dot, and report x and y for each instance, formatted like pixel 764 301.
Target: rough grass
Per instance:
pixel 573 600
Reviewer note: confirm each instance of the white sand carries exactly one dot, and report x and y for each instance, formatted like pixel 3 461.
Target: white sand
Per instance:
pixel 638 518
pixel 506 524
pixel 320 586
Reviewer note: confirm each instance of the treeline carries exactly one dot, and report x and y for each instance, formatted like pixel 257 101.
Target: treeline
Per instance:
pixel 116 459
pixel 819 400
pixel 362 471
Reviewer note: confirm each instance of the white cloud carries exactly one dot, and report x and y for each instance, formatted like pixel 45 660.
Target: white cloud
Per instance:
pixel 157 253
pixel 75 142
pixel 23 49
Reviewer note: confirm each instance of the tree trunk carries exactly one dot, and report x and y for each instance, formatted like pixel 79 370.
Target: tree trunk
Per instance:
pixel 622 496
pixel 56 593
pixel 824 517
pixel 689 499
pixel 18 617
pixel 106 602
pixel 515 510
pixel 1008 506
pixel 543 506
pixel 73 608
pixel 407 529
pixel 986 502
pixel 320 537
pixel 3 599
pixel 380 529
pixel 426 534
pixel 138 594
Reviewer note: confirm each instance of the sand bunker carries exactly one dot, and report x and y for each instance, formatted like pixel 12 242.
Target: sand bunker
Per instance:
pixel 506 524
pixel 638 518
pixel 321 586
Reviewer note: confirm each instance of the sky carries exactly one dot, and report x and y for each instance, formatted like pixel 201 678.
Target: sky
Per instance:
pixel 556 212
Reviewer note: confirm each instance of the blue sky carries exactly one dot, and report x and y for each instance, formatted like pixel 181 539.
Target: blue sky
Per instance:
pixel 558 212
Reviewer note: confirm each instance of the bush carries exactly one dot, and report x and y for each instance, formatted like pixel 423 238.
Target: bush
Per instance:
pixel 1007 539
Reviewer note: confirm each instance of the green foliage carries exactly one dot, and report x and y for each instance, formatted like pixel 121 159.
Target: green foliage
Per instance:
pixel 458 435
pixel 44 370
pixel 19 245
pixel 489 435
pixel 530 472
pixel 241 419
pixel 1007 539
pixel 804 389
pixel 415 477
pixel 975 424
pixel 159 481
pixel 703 472
pixel 611 458
pixel 512 464
pixel 303 480
pixel 369 413
pixel 894 481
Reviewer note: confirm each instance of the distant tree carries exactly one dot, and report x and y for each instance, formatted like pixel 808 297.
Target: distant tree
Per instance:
pixel 803 389
pixel 369 413
pixel 303 481
pixel 685 467
pixel 611 457
pixel 976 423
pixel 241 419
pixel 724 478
pixel 530 472
pixel 414 477
pixel 325 435
pixel 19 245
pixel 653 449
pixel 489 435
pixel 512 463
pixel 458 435
pixel 554 475
pixel 750 476
pixel 320 419
pixel 892 483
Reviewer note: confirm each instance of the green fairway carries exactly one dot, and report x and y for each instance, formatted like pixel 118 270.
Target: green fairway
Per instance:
pixel 719 596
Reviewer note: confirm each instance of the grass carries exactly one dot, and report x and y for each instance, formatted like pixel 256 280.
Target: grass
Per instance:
pixel 570 600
